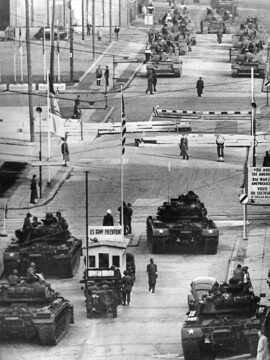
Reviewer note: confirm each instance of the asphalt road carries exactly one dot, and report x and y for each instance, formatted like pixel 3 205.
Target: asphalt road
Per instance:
pixel 150 327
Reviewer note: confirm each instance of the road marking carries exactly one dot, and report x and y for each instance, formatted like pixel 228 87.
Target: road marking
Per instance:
pixel 168 356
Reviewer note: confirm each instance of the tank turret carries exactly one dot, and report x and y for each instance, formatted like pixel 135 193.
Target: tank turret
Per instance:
pixel 33 310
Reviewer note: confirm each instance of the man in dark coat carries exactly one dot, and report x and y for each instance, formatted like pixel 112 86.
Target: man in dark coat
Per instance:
pixel 77 110
pixel 184 147
pixel 200 87
pixel 127 282
pixel 27 227
pixel 154 79
pixel 150 81
pixel 33 188
pixel 106 76
pixel 266 159
pixel 129 217
pixel 108 219
pixel 65 151
pixel 125 217
pixel 152 275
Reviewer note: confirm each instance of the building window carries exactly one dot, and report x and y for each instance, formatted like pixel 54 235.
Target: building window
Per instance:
pixel 103 260
pixel 116 260
pixel 92 261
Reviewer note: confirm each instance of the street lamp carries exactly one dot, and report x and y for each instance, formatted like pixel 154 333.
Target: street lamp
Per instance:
pixel 39 111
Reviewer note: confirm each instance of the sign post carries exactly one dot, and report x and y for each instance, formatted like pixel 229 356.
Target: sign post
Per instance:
pixel 243 198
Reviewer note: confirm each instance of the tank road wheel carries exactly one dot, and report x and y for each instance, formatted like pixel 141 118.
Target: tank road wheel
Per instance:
pixel 253 343
pixel 191 349
pixel 177 73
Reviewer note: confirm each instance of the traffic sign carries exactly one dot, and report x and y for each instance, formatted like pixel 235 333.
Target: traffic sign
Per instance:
pixel 243 198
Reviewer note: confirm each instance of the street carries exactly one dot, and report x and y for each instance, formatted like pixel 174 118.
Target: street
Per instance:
pixel 150 328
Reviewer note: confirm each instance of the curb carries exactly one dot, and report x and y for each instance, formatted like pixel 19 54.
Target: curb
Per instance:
pixel 51 194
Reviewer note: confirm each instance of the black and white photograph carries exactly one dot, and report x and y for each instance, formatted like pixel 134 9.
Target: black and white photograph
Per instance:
pixel 134 179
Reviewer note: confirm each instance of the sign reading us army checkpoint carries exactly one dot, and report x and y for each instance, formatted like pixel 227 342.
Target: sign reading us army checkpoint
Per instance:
pixel 99 233
pixel 259 185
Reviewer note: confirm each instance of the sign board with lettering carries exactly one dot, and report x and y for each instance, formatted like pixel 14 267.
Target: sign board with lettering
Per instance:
pixel 101 233
pixel 259 185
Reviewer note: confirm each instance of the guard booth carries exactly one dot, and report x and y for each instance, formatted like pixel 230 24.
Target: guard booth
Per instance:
pixel 106 247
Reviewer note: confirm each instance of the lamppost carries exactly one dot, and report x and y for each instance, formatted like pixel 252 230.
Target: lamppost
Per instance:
pixel 39 111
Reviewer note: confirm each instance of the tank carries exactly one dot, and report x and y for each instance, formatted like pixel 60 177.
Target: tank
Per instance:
pixel 224 321
pixel 240 67
pixel 34 310
pixel 226 8
pixel 169 66
pixel 182 224
pixel 55 251
pixel 214 22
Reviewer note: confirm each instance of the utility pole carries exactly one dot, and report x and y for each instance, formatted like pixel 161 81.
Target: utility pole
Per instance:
pixel 82 19
pixel 110 20
pixel 48 12
pixel 29 72
pixel 32 13
pixel 120 5
pixel 52 43
pixel 93 28
pixel 64 13
pixel 87 9
pixel 70 42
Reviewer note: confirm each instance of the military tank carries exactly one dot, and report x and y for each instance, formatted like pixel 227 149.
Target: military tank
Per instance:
pixel 55 251
pixel 182 224
pixel 34 310
pixel 224 321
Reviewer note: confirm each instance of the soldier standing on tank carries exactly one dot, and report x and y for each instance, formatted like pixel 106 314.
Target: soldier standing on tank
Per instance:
pixel 14 278
pixel 127 283
pixel 238 274
pixel 152 275
pixel 62 222
pixel 27 227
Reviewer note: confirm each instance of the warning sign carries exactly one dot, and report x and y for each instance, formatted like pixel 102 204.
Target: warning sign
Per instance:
pixel 259 184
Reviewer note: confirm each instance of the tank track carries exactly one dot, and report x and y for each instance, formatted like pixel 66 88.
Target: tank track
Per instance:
pixel 51 334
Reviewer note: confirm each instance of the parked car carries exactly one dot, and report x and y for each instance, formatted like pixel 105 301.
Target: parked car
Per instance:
pixel 199 287
pixel 63 34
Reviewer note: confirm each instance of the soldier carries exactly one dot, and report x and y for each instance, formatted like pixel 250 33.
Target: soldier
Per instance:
pixel 62 222
pixel 127 282
pixel 262 350
pixel 200 87
pixel 31 275
pixel 65 151
pixel 27 227
pixel 98 75
pixel 238 274
pixel 129 217
pixel 150 81
pixel 184 147
pixel 108 219
pixel 152 275
pixel 13 278
pixel 154 79
pixel 77 111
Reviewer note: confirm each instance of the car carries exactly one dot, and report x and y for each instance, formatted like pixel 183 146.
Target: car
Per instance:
pixel 199 287
pixel 63 34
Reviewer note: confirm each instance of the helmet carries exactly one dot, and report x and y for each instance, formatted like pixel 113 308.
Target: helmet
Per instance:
pixel 33 264
pixel 15 272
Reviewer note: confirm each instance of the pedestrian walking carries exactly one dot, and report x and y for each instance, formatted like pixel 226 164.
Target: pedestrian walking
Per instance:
pixel 154 80
pixel 108 219
pixel 98 75
pixel 183 145
pixel 152 273
pixel 266 159
pixel 127 284
pixel 99 34
pixel 65 151
pixel 262 349
pixel 77 111
pixel 200 87
pixel 116 31
pixel 33 190
pixel 106 76
pixel 129 217
pixel 150 81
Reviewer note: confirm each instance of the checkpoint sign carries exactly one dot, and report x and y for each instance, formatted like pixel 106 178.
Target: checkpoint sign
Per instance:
pixel 243 198
pixel 259 185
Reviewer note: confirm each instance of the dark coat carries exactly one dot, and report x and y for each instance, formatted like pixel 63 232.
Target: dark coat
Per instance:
pixel 108 220
pixel 200 85
pixel 127 282
pixel 152 273
pixel 33 188
pixel 266 161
